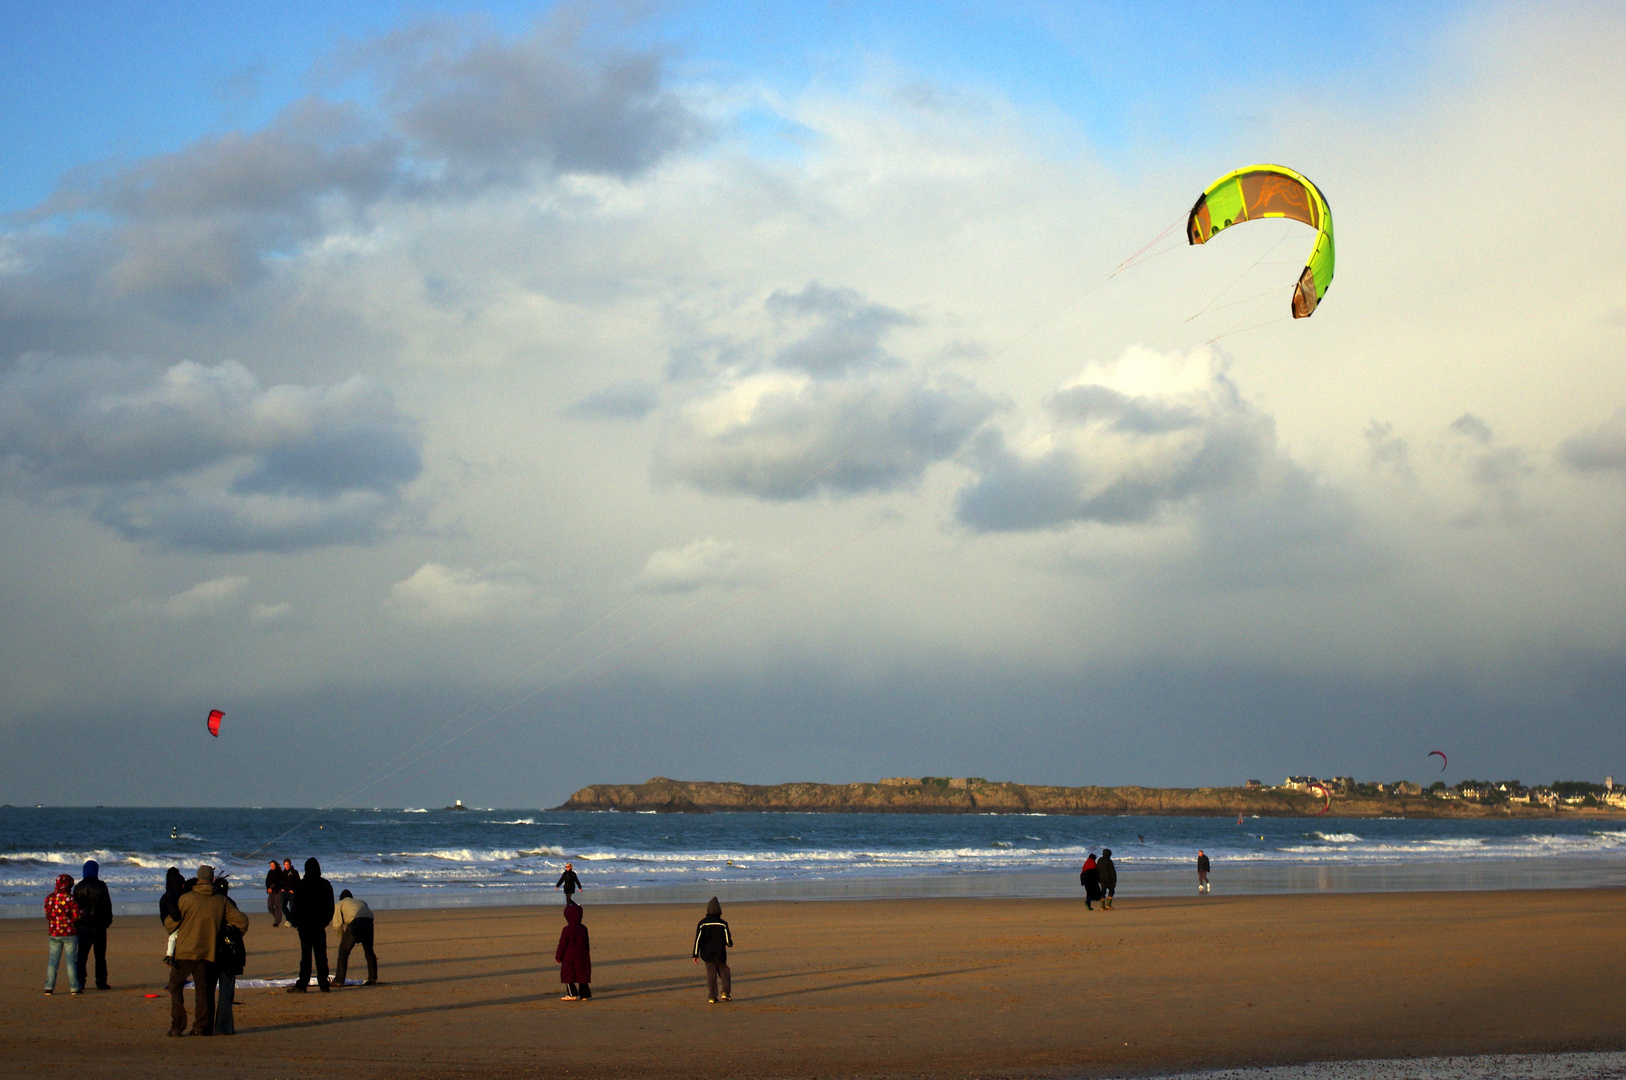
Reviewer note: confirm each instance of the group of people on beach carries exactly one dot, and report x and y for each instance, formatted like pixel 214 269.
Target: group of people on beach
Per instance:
pixel 206 930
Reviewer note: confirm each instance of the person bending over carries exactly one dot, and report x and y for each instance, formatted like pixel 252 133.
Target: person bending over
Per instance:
pixel 353 919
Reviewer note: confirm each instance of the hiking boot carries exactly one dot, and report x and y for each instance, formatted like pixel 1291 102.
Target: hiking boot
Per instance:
pixel 296 989
pixel 725 997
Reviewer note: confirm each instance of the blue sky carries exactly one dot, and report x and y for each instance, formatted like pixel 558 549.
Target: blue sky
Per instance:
pixel 548 396
pixel 86 83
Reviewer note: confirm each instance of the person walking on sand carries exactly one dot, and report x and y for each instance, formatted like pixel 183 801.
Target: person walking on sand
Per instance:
pixel 574 956
pixel 1202 873
pixel 1090 878
pixel 62 926
pixel 1107 871
pixel 203 912
pixel 353 919
pixel 310 910
pixel 273 893
pixel 712 940
pixel 230 957
pixel 570 882
pixel 95 916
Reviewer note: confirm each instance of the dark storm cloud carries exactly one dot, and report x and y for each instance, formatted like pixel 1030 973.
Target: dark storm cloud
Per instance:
pixel 1603 449
pixel 840 331
pixel 204 457
pixel 829 411
pixel 1120 460
pixel 629 401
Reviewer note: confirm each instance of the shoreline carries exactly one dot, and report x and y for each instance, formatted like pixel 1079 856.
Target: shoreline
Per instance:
pixel 1229 879
pixel 902 987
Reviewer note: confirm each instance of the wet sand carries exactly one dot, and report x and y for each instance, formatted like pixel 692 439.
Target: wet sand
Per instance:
pixel 905 987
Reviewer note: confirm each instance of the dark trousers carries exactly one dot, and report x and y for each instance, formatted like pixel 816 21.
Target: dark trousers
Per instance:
pixel 93 938
pixel 579 990
pixel 356 932
pixel 273 904
pixel 203 996
pixel 714 972
pixel 312 942
pixel 570 898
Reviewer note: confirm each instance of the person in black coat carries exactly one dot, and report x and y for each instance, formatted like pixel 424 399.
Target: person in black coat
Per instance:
pixel 1090 878
pixel 1107 871
pixel 712 941
pixel 310 910
pixel 273 893
pixel 95 916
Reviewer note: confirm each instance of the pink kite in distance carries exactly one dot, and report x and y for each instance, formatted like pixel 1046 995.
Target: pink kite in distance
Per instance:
pixel 1441 756
pixel 215 717
pixel 1325 795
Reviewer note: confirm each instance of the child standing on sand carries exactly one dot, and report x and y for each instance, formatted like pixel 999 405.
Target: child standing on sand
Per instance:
pixel 61 926
pixel 574 956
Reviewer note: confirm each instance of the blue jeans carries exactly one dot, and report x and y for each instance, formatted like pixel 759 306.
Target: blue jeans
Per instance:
pixel 69 944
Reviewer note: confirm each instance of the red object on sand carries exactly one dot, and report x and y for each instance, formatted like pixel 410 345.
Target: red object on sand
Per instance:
pixel 149 995
pixel 215 716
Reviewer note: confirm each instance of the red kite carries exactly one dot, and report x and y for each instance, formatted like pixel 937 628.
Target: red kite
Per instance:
pixel 215 717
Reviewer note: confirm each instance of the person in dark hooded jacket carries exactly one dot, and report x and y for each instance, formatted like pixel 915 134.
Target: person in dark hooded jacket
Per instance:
pixel 95 916
pixel 310 911
pixel 174 885
pixel 1107 870
pixel 574 957
pixel 712 940
pixel 1090 878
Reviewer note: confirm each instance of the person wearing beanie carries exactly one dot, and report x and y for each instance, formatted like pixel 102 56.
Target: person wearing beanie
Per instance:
pixel 95 916
pixel 61 922
pixel 310 912
pixel 571 883
pixel 574 957
pixel 202 912
pixel 353 919
pixel 712 940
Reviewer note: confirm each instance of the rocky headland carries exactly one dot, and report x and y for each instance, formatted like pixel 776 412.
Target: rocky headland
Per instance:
pixel 973 795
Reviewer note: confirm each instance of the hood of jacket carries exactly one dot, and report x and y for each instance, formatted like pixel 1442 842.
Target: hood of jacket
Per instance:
pixel 206 888
pixel 1089 863
pixel 312 867
pixel 173 881
pixel 713 907
pixel 64 884
pixel 573 915
pixel 92 869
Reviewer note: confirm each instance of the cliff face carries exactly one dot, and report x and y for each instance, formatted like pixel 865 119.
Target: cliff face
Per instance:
pixel 941 795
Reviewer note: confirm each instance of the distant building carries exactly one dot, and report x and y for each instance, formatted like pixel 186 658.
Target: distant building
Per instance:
pixel 1254 785
pixel 1406 787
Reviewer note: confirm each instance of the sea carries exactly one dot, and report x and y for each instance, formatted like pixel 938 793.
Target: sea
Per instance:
pixel 432 857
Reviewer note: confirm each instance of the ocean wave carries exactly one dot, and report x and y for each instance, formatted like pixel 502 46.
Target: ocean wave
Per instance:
pixel 1336 838
pixel 516 821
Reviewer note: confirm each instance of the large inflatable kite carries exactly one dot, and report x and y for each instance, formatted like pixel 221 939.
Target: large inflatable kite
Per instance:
pixel 1270 191
pixel 1441 756
pixel 215 717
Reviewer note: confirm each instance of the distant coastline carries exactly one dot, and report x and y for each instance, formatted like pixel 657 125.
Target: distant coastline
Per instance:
pixel 973 795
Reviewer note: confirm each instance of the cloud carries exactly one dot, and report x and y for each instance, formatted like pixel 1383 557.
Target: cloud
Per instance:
pixel 839 330
pixel 217 599
pixel 439 595
pixel 495 109
pixel 1602 449
pixel 206 598
pixel 204 457
pixel 702 564
pixel 815 405
pixel 1147 435
pixel 627 401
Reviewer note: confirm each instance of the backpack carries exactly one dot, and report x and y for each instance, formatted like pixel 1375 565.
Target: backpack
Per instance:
pixel 230 955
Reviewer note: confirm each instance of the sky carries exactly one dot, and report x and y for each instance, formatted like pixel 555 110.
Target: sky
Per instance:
pixel 478 401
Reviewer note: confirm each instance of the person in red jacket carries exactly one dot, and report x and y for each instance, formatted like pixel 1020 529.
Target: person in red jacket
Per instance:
pixel 62 924
pixel 574 957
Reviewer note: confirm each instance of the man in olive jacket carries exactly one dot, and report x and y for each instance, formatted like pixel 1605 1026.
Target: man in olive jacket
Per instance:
pixel 310 910
pixel 202 912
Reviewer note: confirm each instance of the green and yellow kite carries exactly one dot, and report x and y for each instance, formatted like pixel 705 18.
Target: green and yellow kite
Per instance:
pixel 1270 191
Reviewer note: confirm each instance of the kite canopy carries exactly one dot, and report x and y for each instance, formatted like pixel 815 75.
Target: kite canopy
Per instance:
pixel 1441 756
pixel 1326 798
pixel 1270 191
pixel 215 717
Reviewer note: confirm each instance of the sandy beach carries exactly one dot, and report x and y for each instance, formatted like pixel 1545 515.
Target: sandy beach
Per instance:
pixel 906 987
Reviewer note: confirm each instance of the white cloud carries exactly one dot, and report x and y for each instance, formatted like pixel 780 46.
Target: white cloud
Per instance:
pixel 436 594
pixel 704 563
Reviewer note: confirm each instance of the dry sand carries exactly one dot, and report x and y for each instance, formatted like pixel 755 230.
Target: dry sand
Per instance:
pixel 939 988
